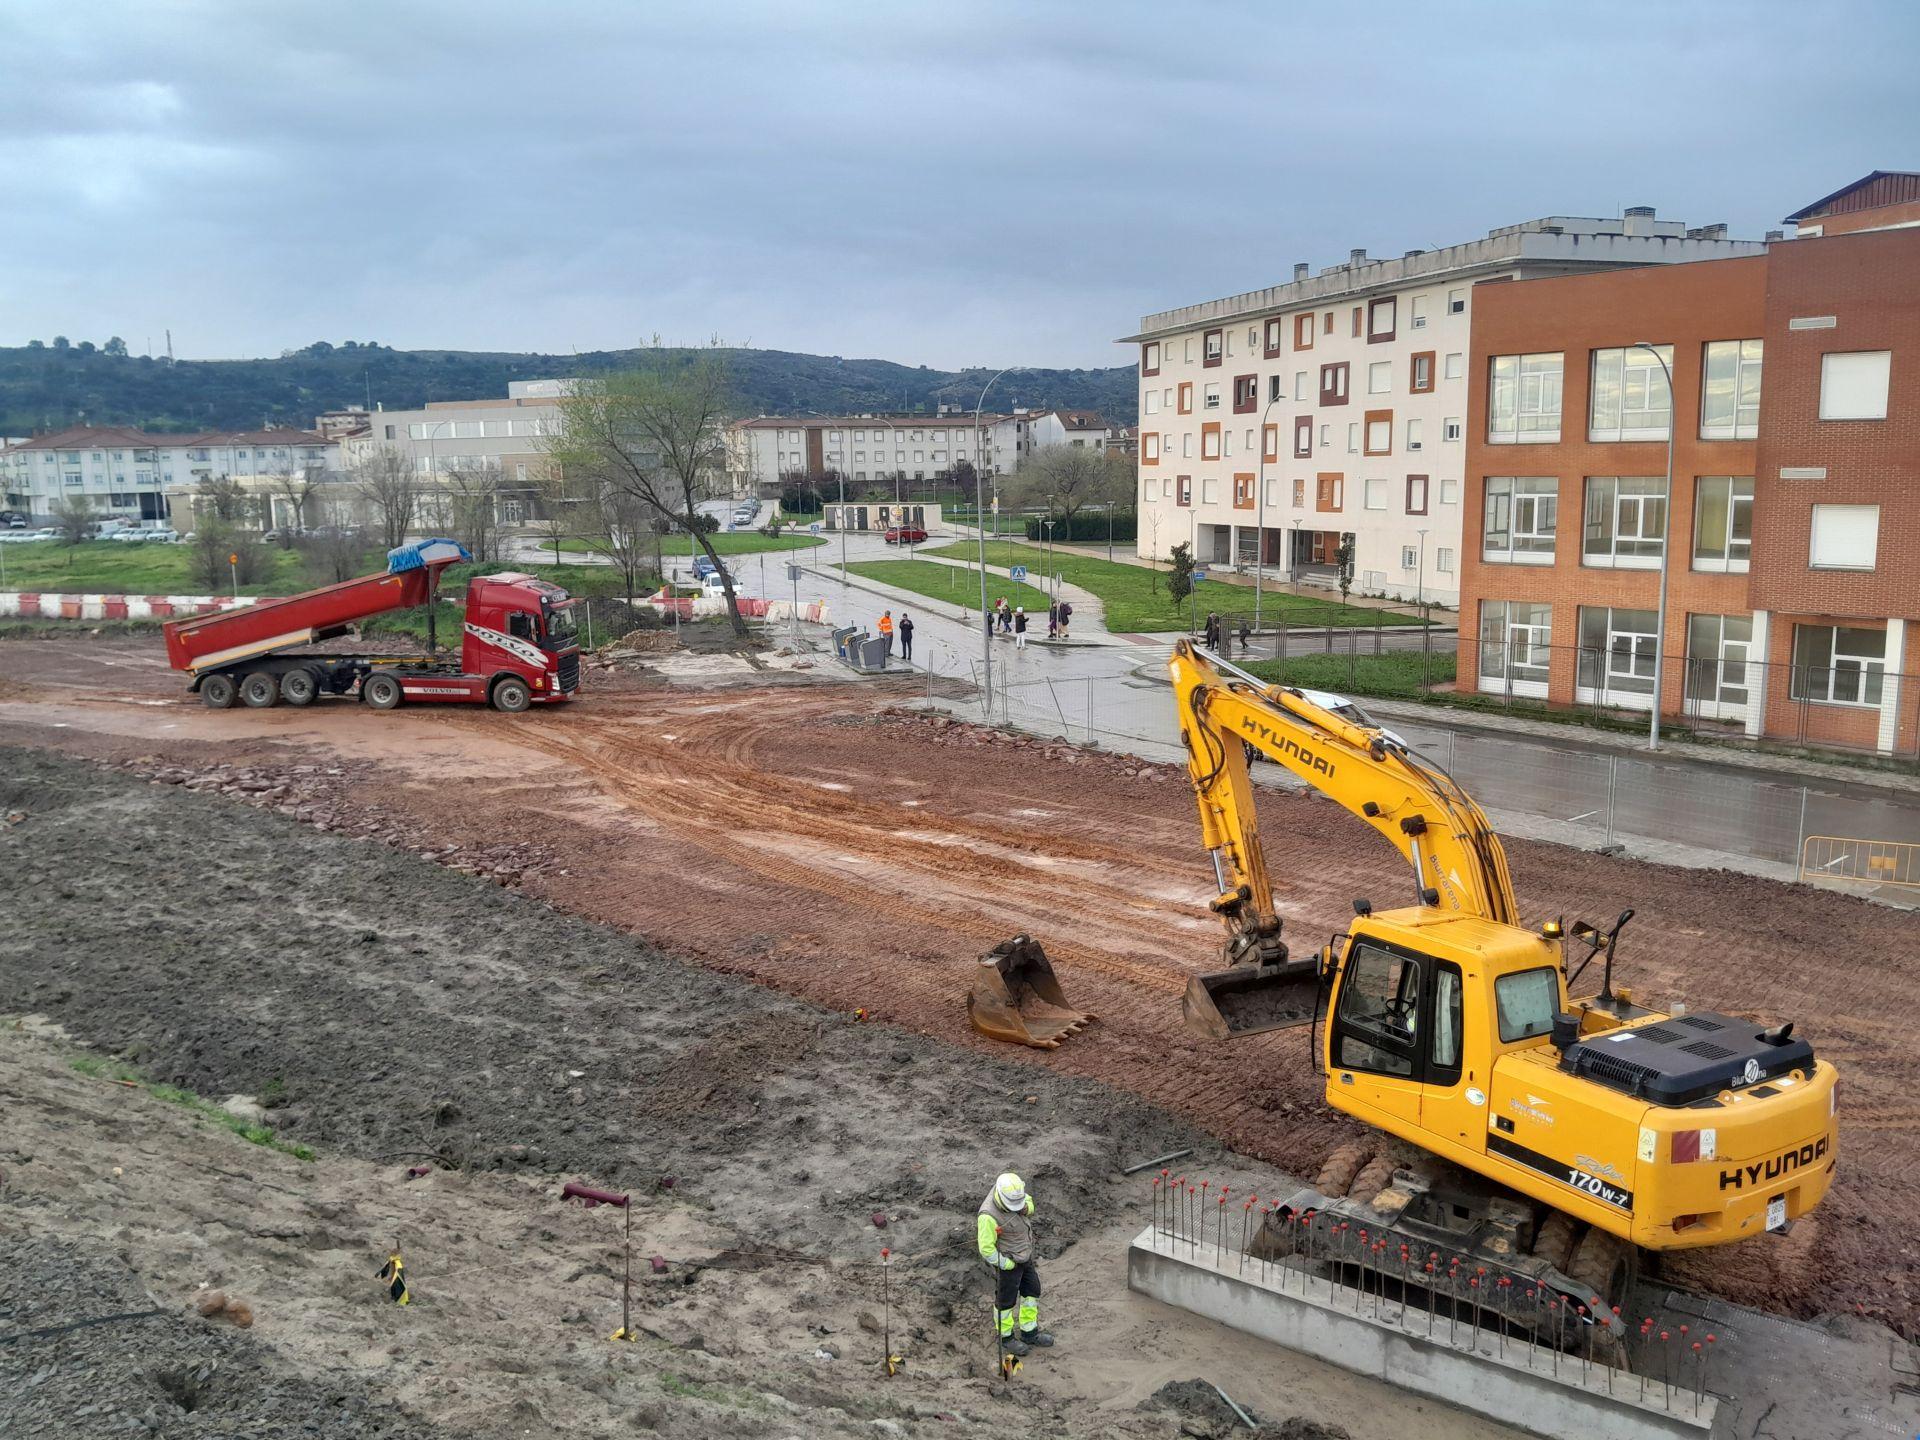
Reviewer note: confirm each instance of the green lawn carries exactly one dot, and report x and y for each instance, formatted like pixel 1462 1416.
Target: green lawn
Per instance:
pixel 950 583
pixel 106 567
pixel 1133 603
pixel 1393 675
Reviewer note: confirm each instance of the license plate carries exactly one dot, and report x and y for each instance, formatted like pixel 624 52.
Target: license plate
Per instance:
pixel 1777 1213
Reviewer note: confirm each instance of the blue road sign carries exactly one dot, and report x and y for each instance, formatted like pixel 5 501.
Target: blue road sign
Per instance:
pixel 1019 572
pixel 814 527
pixel 1198 576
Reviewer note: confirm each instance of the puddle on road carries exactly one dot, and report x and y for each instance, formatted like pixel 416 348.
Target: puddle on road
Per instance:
pixel 832 785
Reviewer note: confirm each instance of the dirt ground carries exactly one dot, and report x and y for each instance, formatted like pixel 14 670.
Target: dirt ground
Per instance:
pixel 391 1013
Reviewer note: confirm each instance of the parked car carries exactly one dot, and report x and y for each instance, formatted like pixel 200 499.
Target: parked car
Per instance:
pixel 281 533
pixel 702 567
pixel 16 521
pixel 905 535
pixel 712 586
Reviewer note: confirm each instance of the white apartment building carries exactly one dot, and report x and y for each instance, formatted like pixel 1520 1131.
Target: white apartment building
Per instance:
pixel 126 474
pixel 1276 422
pixel 1045 428
pixel 868 448
pixel 504 435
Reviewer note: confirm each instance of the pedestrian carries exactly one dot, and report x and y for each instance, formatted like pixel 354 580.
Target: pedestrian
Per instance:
pixel 1006 616
pixel 1211 634
pixel 1003 1234
pixel 906 636
pixel 1066 615
pixel 1053 618
pixel 886 629
pixel 1020 628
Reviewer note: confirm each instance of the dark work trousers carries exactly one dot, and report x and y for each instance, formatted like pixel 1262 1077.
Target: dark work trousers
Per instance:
pixel 1021 1282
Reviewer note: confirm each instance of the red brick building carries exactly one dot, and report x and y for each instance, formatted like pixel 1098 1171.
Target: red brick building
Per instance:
pixel 1794 514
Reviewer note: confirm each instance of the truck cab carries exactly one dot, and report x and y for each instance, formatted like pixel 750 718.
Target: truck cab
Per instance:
pixel 521 625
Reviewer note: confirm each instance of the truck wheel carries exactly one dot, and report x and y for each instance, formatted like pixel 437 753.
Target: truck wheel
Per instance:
pixel 259 689
pixel 218 692
pixel 382 692
pixel 298 687
pixel 512 695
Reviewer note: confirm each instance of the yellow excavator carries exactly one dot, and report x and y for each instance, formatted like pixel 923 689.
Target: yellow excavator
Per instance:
pixel 1543 1131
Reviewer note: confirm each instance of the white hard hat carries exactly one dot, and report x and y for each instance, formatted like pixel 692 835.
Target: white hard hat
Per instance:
pixel 1011 1191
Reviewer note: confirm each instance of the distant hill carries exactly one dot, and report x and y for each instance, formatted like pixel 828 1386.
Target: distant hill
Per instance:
pixel 44 387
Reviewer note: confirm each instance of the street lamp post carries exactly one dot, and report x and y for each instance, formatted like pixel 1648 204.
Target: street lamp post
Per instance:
pixel 1193 564
pixel 1666 550
pixel 980 517
pixel 1260 521
pixel 433 476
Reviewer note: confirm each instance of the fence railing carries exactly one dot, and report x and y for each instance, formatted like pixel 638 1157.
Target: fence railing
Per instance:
pixel 1865 862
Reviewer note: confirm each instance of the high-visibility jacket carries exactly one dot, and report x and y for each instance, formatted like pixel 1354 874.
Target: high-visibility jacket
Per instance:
pixel 1004 1237
pixel 886 624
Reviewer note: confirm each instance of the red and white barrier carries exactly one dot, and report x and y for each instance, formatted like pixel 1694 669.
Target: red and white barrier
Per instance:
pixel 45 605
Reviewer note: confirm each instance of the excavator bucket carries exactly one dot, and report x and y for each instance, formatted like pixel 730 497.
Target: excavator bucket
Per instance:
pixel 1016 997
pixel 1249 999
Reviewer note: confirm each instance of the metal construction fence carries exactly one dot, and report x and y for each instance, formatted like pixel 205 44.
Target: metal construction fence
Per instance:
pixel 1592 796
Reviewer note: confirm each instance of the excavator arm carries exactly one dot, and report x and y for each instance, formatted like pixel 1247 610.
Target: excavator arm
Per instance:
pixel 1457 860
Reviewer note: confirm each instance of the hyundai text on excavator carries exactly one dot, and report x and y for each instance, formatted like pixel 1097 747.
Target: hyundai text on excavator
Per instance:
pixel 1525 1117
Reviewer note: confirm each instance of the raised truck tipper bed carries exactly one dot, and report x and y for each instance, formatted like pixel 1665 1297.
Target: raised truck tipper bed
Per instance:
pixel 517 645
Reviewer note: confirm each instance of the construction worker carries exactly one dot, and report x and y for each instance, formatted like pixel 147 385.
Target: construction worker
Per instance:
pixel 1004 1235
pixel 886 629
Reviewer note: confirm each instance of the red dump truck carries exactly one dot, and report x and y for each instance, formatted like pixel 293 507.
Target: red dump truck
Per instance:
pixel 517 647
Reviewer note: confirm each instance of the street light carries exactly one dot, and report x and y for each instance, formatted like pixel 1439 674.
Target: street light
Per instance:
pixel 980 518
pixel 1666 549
pixel 1260 522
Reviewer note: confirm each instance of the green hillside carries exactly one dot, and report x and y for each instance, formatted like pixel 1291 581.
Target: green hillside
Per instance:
pixel 46 386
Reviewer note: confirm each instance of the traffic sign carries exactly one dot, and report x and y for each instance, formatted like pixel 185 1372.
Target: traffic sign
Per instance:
pixel 814 528
pixel 1198 576
pixel 1018 572
pixel 793 573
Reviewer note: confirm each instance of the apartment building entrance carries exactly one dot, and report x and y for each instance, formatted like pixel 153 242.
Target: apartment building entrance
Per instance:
pixel 1314 558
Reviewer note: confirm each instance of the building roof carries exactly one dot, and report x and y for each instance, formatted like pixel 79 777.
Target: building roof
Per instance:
pixel 96 437
pixel 1880 187
pixel 1074 419
pixel 924 422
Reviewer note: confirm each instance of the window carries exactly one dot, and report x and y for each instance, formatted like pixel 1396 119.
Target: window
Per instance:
pixel 1854 386
pixel 1456 365
pixel 1443 560
pixel 1358 311
pixel 1416 494
pixel 1523 401
pixel 1626 521
pixel 1380 378
pixel 1299 494
pixel 1300 378
pixel 1373 494
pixel 1186 446
pixel 1324 441
pixel 1379 432
pixel 1276 388
pixel 1186 397
pixel 1209 490
pixel 1417 313
pixel 1413 435
pixel 1303 331
pixel 1420 373
pixel 1353 437
pixel 1270 442
pixel 1409 557
pixel 1150 358
pixel 1243 492
pixel 1449 492
pixel 1326 324
pixel 1150 448
pixel 1149 406
pixel 1526 1001
pixel 1246 394
pixel 1275 334
pixel 1838 665
pixel 1516 640
pixel 1210 442
pixel 1722 522
pixel 1456 302
pixel 1214 342
pixel 1303 436
pixel 1330 493
pixel 1730 390
pixel 1210 395
pixel 1381 318
pixel 1717 648
pixel 1450 428
pixel 1616 656
pixel 1333 384
pixel 1845 537
pixel 1520 516
pixel 1226 442
pixel 1630 399
pixel 1379 1011
pixel 1184 489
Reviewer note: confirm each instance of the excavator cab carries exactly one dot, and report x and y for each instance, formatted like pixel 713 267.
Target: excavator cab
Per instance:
pixel 1017 998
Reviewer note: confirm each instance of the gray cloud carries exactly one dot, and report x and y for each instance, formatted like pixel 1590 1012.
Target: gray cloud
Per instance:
pixel 962 185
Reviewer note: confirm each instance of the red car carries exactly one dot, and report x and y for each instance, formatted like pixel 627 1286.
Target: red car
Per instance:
pixel 905 535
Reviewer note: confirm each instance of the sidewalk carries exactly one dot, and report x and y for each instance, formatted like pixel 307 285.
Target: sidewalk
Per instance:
pixel 1088 613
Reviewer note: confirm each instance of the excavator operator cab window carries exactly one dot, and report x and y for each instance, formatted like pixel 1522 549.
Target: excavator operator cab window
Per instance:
pixel 1526 1001
pixel 1398 1014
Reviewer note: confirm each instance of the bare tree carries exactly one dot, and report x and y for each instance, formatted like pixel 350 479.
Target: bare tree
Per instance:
pixel 222 553
pixel 610 521
pixel 334 554
pixel 1152 516
pixel 293 484
pixel 73 518
pixel 386 479
pixel 473 508
pixel 223 499
pixel 656 434
pixel 1071 477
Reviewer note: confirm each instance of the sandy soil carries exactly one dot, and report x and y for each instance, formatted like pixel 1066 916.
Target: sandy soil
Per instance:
pixel 809 840
pixel 389 1013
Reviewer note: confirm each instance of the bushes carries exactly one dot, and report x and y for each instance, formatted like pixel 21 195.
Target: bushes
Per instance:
pixel 1086 525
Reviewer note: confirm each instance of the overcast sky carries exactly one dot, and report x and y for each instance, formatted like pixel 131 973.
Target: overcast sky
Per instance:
pixel 952 185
